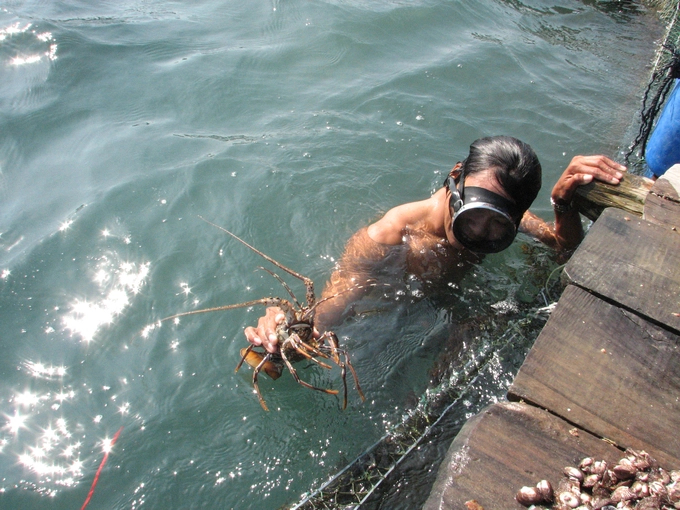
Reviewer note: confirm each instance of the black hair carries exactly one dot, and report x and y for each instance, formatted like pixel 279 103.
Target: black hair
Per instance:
pixel 516 166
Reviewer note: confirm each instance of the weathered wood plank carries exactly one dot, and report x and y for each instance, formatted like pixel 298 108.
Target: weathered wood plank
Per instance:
pixel 662 211
pixel 629 195
pixel 505 447
pixel 663 202
pixel 609 372
pixel 632 262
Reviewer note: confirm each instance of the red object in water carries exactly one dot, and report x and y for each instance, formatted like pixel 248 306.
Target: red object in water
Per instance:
pixel 101 466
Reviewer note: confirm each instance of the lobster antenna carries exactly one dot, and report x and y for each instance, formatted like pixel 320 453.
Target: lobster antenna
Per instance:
pixel 309 284
pixel 284 284
pixel 266 257
pixel 214 309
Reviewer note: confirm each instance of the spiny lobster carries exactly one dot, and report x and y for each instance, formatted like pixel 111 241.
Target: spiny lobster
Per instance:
pixel 295 334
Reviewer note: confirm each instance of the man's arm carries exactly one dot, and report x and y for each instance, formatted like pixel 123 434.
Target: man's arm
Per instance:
pixel 348 282
pixel 362 257
pixel 566 233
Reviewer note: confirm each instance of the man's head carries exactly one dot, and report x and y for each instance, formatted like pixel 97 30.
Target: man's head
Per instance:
pixel 496 184
pixel 514 163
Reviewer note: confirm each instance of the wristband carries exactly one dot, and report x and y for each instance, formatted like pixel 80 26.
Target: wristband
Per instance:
pixel 560 207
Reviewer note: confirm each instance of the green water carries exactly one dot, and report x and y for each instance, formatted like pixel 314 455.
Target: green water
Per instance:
pixel 292 124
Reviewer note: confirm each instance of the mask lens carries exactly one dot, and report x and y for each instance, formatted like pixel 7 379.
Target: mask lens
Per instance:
pixel 482 228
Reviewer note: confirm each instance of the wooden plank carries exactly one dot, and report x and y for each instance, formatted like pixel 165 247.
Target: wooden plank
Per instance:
pixel 632 262
pixel 505 447
pixel 663 202
pixel 630 195
pixel 671 179
pixel 609 372
pixel 662 211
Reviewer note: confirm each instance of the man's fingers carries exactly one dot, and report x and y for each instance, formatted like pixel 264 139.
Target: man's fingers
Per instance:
pixel 264 334
pixel 612 169
pixel 599 167
pixel 617 167
pixel 252 336
pixel 271 339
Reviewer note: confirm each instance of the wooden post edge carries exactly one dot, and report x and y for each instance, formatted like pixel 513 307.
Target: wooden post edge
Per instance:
pixel 630 195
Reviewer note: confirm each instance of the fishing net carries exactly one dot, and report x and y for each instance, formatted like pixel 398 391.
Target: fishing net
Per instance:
pixel 666 70
pixel 380 472
pixel 399 469
pixel 379 477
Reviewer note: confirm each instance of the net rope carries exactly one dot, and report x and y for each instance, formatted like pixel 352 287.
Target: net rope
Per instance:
pixel 666 70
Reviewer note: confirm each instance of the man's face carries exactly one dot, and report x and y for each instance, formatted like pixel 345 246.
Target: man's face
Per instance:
pixel 487 221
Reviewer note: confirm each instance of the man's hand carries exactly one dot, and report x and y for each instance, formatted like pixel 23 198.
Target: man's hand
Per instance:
pixel 265 333
pixel 582 170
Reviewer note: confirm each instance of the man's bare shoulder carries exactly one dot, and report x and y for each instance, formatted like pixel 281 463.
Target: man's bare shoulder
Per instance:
pixel 391 227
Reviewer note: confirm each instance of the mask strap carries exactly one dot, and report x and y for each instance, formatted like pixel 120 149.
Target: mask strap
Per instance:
pixel 456 200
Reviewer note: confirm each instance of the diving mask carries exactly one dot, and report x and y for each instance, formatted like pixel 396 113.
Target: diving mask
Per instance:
pixel 482 220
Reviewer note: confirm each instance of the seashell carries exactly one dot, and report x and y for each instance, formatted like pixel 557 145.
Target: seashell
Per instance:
pixel 675 475
pixel 600 491
pixel 609 479
pixel 586 464
pixel 574 473
pixel 674 493
pixel 586 498
pixel 625 470
pixel 545 490
pixel 598 467
pixel 641 459
pixel 658 489
pixel 625 461
pixel 568 499
pixel 650 503
pixel 641 489
pixel 663 476
pixel 642 476
pixel 622 493
pixel 590 480
pixel 528 496
pixel 568 485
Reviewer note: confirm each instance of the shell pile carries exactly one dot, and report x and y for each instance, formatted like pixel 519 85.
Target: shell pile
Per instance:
pixel 636 482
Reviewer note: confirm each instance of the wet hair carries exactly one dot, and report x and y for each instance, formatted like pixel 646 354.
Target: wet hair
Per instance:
pixel 516 166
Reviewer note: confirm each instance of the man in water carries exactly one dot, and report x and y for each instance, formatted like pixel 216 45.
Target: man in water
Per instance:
pixel 480 208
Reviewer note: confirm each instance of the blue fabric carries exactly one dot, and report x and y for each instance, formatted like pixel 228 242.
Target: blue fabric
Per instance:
pixel 663 147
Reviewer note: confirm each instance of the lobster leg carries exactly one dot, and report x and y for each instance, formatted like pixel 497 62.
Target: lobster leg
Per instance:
pixel 312 349
pixel 257 388
pixel 343 372
pixel 308 356
pixel 354 374
pixel 254 358
pixel 333 341
pixel 297 377
pixel 244 355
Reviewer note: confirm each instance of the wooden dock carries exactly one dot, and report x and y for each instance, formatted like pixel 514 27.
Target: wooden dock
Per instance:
pixel 603 375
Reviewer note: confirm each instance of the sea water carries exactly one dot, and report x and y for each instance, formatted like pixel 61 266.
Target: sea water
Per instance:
pixel 292 124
